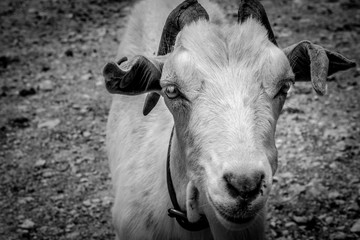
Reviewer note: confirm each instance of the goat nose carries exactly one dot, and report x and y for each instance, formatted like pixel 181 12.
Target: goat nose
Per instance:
pixel 245 186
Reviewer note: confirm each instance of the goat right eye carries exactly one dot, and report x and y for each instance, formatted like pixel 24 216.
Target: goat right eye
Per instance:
pixel 284 90
pixel 171 92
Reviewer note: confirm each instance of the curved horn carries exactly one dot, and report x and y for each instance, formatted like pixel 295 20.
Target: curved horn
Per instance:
pixel 187 12
pixel 253 8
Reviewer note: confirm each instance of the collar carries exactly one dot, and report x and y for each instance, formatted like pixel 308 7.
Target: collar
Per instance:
pixel 176 212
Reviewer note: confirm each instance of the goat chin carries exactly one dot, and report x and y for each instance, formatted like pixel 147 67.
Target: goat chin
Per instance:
pixel 222 229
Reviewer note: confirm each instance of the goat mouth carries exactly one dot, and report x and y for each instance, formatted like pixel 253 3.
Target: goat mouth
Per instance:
pixel 232 217
pixel 235 219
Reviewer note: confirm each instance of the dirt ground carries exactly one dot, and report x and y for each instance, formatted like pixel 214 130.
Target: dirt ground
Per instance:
pixel 54 177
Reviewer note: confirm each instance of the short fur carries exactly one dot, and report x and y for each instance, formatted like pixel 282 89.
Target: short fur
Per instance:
pixel 231 78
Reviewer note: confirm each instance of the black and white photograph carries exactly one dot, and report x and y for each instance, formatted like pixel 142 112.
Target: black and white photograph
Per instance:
pixel 180 119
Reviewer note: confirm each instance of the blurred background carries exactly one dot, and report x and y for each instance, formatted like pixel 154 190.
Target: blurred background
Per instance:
pixel 54 176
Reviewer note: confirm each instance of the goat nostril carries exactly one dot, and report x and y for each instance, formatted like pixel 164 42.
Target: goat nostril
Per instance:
pixel 247 187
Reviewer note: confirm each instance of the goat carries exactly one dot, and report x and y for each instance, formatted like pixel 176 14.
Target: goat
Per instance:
pixel 206 151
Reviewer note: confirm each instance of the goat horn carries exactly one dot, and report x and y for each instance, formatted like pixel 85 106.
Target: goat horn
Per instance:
pixel 253 8
pixel 187 12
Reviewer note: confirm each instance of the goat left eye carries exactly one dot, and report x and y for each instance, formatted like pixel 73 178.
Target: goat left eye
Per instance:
pixel 283 90
pixel 171 92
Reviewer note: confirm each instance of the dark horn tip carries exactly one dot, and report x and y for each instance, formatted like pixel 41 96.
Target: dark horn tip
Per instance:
pixel 254 9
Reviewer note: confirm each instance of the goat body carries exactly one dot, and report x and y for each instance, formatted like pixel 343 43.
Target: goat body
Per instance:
pixel 222 88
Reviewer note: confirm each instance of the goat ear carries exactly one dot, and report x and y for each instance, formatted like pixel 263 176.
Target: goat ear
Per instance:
pixel 311 62
pixel 136 76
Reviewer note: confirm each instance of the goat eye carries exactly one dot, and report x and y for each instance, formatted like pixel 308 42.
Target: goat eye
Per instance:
pixel 283 90
pixel 171 92
pixel 286 87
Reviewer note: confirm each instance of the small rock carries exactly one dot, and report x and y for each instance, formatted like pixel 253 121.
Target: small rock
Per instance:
pixel 333 165
pixel 300 219
pixel 286 175
pixel 329 220
pixel 87 203
pixel 340 202
pixel 334 194
pixel 338 236
pixel 40 110
pixel 356 227
pixel 349 88
pixel 70 225
pixel 341 146
pixel 46 85
pixel 353 207
pixel 84 110
pixel 99 83
pixel 290 224
pixel 86 77
pixel 76 106
pixel 83 180
pixel 40 163
pixel 49 124
pixel 62 166
pixel 25 200
pixel 48 174
pixel 73 213
pixel 57 197
pixel 101 32
pixel 86 134
pixel 106 201
pixel 27 224
pixel 285 33
pixel 43 230
pixel 32 10
pixel 297 188
pixel 73 235
pixel 340 228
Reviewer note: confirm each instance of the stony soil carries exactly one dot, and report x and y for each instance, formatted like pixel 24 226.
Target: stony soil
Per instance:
pixel 54 177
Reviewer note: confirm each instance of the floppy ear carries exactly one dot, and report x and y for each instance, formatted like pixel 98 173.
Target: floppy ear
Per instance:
pixel 311 62
pixel 136 76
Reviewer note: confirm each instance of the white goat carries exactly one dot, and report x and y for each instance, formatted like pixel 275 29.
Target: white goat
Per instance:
pixel 223 87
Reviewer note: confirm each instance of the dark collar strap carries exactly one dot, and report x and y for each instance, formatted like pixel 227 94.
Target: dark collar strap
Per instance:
pixel 176 212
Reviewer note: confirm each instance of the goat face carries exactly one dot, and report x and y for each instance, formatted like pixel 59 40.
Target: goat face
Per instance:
pixel 225 89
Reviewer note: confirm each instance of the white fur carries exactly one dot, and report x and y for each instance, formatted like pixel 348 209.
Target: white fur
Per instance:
pixel 227 96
